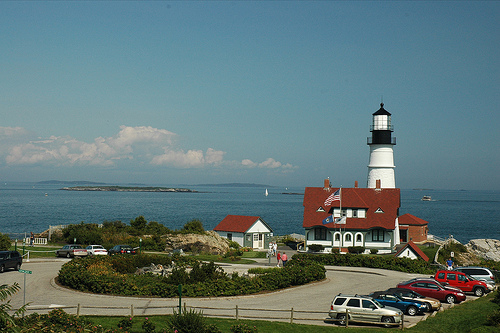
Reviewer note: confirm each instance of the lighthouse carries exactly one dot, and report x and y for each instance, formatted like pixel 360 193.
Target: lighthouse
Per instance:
pixel 381 165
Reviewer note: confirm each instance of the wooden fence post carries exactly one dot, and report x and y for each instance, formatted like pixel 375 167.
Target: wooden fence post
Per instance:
pixel 291 316
pixel 237 316
pixel 346 318
pixel 78 310
pixel 132 310
pixel 402 321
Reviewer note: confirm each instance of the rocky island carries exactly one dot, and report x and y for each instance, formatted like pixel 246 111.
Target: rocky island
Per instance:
pixel 126 189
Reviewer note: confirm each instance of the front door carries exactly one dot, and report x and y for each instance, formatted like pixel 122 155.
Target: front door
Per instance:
pixel 258 241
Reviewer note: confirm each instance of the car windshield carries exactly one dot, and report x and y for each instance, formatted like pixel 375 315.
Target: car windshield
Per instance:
pixel 378 304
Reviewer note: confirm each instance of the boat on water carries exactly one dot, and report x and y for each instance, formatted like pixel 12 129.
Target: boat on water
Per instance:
pixel 426 198
pixel 266 193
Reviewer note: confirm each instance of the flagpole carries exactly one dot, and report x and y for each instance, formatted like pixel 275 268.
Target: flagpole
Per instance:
pixel 340 224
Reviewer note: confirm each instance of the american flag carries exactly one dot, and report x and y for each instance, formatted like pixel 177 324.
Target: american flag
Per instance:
pixel 335 196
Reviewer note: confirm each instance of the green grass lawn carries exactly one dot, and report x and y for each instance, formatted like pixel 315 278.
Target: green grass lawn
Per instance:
pixel 467 317
pixel 37 251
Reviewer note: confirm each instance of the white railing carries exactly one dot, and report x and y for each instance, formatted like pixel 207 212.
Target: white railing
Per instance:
pixel 36 241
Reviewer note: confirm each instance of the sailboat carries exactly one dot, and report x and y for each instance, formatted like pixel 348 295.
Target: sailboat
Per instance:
pixel 267 193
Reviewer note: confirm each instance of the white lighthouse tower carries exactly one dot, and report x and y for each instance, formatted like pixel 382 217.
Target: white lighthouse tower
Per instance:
pixel 381 165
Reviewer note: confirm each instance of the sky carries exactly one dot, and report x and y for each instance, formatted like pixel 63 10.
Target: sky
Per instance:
pixel 267 92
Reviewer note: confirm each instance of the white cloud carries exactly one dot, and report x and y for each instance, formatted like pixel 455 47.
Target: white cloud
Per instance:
pixel 142 144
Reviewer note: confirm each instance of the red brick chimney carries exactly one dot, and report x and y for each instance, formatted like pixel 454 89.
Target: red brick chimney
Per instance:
pixel 377 184
pixel 355 184
pixel 326 184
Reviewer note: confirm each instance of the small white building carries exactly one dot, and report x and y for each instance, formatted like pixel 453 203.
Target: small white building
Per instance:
pixel 248 231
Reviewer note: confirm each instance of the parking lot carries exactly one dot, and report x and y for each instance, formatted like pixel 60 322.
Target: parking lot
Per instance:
pixel 43 293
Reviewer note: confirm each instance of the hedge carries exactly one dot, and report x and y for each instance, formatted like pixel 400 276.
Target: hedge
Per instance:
pixel 114 275
pixel 370 261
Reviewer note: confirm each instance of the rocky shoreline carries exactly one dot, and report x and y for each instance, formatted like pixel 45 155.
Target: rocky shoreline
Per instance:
pixel 127 189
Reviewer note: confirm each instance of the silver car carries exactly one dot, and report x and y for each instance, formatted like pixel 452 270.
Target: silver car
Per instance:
pixel 363 309
pixel 479 273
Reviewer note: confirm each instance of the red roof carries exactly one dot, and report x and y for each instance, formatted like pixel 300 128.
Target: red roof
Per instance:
pixel 409 219
pixel 415 249
pixel 386 200
pixel 238 223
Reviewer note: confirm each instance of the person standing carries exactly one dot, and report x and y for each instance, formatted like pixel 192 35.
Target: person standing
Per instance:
pixel 32 239
pixel 449 264
pixel 284 259
pixel 278 258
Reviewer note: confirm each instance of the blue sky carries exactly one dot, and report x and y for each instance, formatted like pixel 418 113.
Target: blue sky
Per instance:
pixel 278 93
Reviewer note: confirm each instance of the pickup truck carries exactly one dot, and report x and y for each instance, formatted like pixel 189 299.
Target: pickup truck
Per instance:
pixel 462 281
pixel 10 259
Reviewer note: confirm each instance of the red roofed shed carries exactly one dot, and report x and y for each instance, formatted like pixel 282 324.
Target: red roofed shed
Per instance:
pixel 248 231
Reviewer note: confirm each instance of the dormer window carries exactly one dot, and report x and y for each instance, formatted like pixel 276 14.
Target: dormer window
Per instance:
pixel 379 210
pixel 320 210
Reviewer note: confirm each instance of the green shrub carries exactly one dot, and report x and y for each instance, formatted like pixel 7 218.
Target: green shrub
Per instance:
pixel 373 251
pixel 356 249
pixel 4 242
pixel 148 326
pixel 316 248
pixel 243 328
pixel 234 245
pixel 125 323
pixel 194 226
pixel 187 321
pixel 360 260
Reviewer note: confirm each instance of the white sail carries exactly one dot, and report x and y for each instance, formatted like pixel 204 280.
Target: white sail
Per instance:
pixel 267 193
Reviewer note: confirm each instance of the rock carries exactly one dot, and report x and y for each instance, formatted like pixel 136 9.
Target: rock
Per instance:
pixel 209 242
pixel 488 249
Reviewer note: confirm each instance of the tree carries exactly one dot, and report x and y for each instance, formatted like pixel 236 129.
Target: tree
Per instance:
pixel 5 242
pixel 84 233
pixel 194 227
pixel 7 323
pixel 139 223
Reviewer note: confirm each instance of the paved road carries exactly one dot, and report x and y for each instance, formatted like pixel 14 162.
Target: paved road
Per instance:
pixel 42 293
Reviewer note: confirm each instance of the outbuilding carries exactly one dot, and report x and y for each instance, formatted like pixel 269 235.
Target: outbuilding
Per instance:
pixel 247 231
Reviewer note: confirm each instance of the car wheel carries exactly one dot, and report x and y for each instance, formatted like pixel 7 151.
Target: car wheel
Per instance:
pixel 412 310
pixel 450 299
pixel 387 321
pixel 18 266
pixel 429 307
pixel 2 269
pixel 68 255
pixel 341 319
pixel 478 292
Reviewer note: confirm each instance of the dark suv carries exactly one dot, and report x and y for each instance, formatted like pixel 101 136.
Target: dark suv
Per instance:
pixel 10 259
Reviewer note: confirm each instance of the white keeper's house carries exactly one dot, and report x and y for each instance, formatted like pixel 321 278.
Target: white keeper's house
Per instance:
pixel 366 217
pixel 248 231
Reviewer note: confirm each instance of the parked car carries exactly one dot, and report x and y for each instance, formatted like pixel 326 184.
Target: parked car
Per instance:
pixel 462 281
pixel 479 273
pixel 363 308
pixel 121 249
pixel 434 289
pixel 410 307
pixel 432 303
pixel 71 251
pixel 10 259
pixel 96 250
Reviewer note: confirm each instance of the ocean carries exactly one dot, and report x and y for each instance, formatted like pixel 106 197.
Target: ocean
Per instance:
pixel 32 207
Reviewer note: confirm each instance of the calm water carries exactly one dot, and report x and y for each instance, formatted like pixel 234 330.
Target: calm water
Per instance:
pixel 33 207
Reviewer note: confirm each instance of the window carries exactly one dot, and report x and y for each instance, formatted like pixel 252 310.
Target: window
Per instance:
pixel 320 234
pixel 353 302
pixel 452 276
pixel 354 213
pixel 378 235
pixel 344 212
pixel 339 300
pixel 358 238
pixel 348 237
pixel 368 305
pixel 441 276
pixel 230 236
pixel 337 237
pixel 462 278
